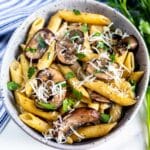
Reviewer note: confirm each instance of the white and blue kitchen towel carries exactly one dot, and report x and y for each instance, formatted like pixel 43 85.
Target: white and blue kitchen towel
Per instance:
pixel 12 14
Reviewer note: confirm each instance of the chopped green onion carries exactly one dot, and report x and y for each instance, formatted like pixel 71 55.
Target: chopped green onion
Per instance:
pixel 104 118
pixel 77 94
pixel 112 57
pixel 97 34
pixel 69 75
pixel 76 12
pixel 32 50
pixel 68 103
pixel 84 28
pixel 31 72
pixel 12 86
pixel 48 106
pixel 41 42
pixel 80 55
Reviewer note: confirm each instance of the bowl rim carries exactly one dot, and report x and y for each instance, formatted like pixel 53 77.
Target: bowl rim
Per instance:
pixel 90 144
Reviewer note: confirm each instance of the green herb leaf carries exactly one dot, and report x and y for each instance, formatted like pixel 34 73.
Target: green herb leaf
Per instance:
pixel 63 84
pixel 76 12
pixel 133 84
pixel 69 75
pixel 84 28
pixel 32 50
pixel 41 42
pixel 75 37
pixel 12 86
pixel 31 72
pixel 77 94
pixel 96 34
pixel 80 55
pixel 47 106
pixel 112 57
pixel 68 103
pixel 104 118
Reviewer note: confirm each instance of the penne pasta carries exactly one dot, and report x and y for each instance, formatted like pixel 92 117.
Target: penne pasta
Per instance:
pixel 111 93
pixel 73 82
pixel 47 58
pixel 136 76
pixel 83 17
pixel 93 131
pixel 16 72
pixel 34 122
pixel 29 106
pixel 54 23
pixel 36 25
pixel 94 29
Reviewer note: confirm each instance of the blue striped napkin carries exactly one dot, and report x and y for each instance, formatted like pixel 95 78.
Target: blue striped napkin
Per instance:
pixel 12 14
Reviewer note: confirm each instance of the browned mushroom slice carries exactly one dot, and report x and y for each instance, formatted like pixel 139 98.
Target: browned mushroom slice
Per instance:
pixel 66 52
pixel 38 44
pixel 99 98
pixel 76 36
pixel 99 75
pixel 54 75
pixel 131 42
pixel 79 117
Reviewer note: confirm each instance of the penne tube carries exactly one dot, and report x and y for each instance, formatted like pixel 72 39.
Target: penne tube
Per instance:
pixel 16 72
pixel 73 82
pixel 94 105
pixel 36 25
pixel 136 76
pixel 29 106
pixel 120 59
pixel 94 131
pixel 47 58
pixel 34 122
pixel 25 65
pixel 61 31
pixel 84 17
pixel 54 23
pixel 111 93
pixel 129 64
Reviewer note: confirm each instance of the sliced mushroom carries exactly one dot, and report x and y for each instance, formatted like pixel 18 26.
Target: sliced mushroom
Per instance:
pixel 38 44
pixel 56 77
pixel 131 42
pixel 76 36
pixel 99 98
pixel 99 75
pixel 66 52
pixel 77 118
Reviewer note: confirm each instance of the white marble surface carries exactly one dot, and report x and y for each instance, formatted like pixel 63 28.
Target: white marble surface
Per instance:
pixel 131 138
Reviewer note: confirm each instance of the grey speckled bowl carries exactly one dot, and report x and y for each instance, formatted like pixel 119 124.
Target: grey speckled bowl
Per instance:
pixel 46 11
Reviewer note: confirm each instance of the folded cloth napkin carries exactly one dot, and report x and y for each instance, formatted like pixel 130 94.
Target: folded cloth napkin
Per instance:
pixel 12 14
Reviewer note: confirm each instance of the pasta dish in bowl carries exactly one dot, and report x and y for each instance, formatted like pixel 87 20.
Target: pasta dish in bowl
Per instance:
pixel 75 77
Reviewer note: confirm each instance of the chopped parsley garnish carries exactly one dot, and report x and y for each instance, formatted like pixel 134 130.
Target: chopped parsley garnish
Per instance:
pixel 41 42
pixel 102 45
pixel 68 103
pixel 76 12
pixel 31 72
pixel 112 57
pixel 63 84
pixel 12 86
pixel 74 37
pixel 77 94
pixel 97 34
pixel 48 55
pixel 84 28
pixel 80 55
pixel 48 106
pixel 32 50
pixel 133 84
pixel 104 118
pixel 69 75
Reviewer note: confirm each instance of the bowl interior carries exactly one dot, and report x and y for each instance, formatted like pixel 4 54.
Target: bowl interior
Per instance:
pixel 45 12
